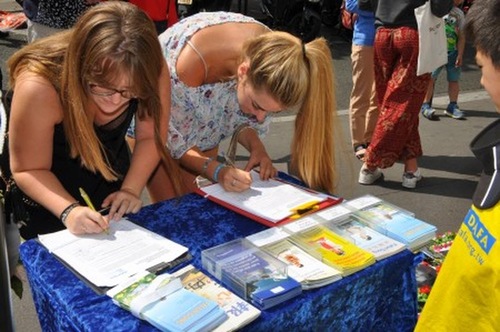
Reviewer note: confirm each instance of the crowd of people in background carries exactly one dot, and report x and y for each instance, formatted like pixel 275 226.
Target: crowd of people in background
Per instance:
pixel 246 81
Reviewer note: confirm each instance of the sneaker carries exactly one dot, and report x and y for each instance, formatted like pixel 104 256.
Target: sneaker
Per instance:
pixel 454 112
pixel 410 179
pixel 369 177
pixel 428 112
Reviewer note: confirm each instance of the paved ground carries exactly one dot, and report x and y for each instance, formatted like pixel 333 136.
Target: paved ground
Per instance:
pixel 450 171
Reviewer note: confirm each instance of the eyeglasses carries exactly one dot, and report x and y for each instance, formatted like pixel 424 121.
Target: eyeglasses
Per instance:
pixel 107 92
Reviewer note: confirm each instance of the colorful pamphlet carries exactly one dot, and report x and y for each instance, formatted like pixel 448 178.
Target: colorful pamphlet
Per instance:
pixel 303 267
pixel 239 312
pixel 163 302
pixel 343 221
pixel 392 221
pixel 328 246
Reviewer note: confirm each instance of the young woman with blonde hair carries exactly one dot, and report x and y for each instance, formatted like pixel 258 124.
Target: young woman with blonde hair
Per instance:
pixel 74 96
pixel 229 72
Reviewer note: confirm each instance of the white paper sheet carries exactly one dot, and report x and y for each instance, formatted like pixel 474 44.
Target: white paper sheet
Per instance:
pixel 108 259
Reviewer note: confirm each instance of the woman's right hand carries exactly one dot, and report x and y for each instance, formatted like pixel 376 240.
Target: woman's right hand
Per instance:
pixel 84 220
pixel 234 179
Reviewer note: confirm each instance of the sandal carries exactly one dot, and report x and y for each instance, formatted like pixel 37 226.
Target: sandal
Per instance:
pixel 359 151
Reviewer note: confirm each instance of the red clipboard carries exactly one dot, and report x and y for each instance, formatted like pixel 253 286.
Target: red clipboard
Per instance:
pixel 326 202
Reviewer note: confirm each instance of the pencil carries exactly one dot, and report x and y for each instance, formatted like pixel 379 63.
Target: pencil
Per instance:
pixel 87 200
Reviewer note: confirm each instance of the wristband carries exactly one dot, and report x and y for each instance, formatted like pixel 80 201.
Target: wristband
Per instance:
pixel 205 167
pixel 66 211
pixel 217 170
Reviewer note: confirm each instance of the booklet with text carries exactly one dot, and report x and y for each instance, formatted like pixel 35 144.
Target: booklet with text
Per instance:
pixel 239 312
pixel 272 202
pixel 303 267
pixel 328 246
pixel 393 221
pixel 163 302
pixel 345 222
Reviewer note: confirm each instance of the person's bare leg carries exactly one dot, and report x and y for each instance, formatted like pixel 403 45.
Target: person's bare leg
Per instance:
pixel 411 165
pixel 430 92
pixel 453 90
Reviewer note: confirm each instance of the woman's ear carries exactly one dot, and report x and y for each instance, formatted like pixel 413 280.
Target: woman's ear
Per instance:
pixel 243 69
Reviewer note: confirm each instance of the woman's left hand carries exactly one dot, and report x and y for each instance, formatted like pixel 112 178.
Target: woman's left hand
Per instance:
pixel 258 154
pixel 262 159
pixel 122 202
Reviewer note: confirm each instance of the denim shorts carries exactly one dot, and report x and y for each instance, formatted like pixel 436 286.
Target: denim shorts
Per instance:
pixel 452 72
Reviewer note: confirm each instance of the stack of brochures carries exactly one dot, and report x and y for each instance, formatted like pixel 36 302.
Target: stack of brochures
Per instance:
pixel 342 220
pixel 239 312
pixel 166 304
pixel 393 221
pixel 328 246
pixel 304 268
pixel 250 273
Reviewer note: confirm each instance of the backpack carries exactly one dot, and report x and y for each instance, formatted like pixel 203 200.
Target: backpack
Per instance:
pixel 347 18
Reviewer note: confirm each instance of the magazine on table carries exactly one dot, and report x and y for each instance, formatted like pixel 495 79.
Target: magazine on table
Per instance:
pixel 166 304
pixel 105 260
pixel 393 221
pixel 272 202
pixel 239 312
pixel 303 267
pixel 328 246
pixel 343 221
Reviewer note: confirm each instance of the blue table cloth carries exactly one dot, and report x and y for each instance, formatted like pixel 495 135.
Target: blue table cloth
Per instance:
pixel 381 297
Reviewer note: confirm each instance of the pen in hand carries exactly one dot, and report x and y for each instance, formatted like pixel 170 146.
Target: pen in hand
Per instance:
pixel 87 200
pixel 231 164
pixel 228 161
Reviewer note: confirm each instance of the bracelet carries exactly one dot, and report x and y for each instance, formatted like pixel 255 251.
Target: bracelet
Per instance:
pixel 66 211
pixel 217 170
pixel 205 166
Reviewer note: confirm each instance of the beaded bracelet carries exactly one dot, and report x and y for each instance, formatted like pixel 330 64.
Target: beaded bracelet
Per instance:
pixel 205 166
pixel 67 210
pixel 217 170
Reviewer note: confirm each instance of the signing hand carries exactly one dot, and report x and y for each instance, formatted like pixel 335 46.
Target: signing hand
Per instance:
pixel 84 220
pixel 234 179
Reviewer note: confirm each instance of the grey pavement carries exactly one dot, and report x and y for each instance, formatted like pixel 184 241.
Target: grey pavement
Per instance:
pixel 450 171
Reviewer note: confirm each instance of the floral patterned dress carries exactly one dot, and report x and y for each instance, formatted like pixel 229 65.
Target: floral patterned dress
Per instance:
pixel 205 115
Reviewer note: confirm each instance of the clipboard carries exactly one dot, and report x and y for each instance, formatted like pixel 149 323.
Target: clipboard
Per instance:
pixel 181 255
pixel 318 202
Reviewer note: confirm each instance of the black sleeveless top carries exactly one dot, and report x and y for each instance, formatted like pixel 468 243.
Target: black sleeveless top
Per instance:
pixel 73 175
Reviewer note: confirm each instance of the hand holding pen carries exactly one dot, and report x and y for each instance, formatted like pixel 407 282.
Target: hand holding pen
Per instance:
pixel 88 201
pixel 234 179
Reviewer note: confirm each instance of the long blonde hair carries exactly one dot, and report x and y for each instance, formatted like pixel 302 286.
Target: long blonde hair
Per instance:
pixel 301 76
pixel 110 38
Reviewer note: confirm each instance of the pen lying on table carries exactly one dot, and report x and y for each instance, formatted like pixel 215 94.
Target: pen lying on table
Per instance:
pixel 303 209
pixel 87 200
